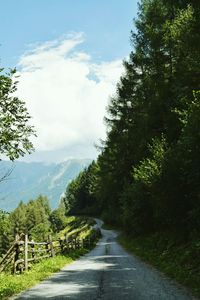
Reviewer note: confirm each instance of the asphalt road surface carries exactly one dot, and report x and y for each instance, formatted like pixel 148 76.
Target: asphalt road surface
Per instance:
pixel 107 272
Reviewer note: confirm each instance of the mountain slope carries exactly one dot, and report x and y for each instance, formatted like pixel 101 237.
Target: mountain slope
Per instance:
pixel 28 180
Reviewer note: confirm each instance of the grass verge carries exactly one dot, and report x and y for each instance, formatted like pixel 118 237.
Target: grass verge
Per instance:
pixel 180 261
pixel 14 284
pixel 78 227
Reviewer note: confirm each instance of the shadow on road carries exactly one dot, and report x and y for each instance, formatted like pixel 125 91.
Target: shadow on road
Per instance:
pixel 108 272
pixel 87 281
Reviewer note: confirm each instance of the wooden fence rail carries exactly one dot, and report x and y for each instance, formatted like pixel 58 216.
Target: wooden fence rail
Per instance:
pixel 23 252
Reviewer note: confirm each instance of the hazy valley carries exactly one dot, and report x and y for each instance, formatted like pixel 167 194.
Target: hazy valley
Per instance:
pixel 28 180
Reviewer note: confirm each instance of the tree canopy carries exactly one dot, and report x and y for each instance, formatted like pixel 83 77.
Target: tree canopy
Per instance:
pixel 34 218
pixel 15 131
pixel 147 174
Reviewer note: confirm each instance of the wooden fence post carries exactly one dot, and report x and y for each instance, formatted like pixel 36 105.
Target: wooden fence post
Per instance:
pixel 61 245
pixel 51 246
pixel 16 257
pixel 26 252
pixel 47 248
pixel 33 249
pixel 16 253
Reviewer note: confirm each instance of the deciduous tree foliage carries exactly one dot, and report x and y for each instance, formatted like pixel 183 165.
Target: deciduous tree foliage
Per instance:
pixel 15 131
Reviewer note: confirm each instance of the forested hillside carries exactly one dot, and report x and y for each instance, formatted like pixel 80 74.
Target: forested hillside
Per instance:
pixel 35 218
pixel 146 178
pixel 147 175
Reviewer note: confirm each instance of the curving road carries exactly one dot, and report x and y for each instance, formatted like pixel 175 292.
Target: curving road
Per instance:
pixel 108 272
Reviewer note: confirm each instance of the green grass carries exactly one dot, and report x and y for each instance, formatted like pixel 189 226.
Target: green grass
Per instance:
pixel 169 254
pixel 79 227
pixel 14 284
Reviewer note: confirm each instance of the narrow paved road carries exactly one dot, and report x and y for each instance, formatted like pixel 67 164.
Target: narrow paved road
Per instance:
pixel 107 272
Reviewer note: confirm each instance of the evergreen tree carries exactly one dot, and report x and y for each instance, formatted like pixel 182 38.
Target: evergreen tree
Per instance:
pixel 6 236
pixel 147 174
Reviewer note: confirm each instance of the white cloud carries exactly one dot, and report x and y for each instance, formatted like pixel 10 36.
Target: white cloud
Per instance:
pixel 66 93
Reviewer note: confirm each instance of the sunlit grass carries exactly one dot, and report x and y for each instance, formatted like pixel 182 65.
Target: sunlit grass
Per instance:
pixel 14 284
pixel 76 226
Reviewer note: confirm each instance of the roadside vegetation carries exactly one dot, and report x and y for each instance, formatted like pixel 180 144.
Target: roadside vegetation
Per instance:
pixel 179 260
pixel 146 178
pixel 35 218
pixel 80 227
pixel 14 284
pixel 39 221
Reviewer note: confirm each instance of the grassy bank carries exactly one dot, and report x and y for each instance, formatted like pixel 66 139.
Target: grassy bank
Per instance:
pixel 169 254
pixel 13 284
pixel 79 227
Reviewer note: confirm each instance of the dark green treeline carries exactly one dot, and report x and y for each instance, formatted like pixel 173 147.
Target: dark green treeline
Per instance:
pixel 148 172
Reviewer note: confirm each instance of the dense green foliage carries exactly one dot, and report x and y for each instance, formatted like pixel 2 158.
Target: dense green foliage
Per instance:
pixel 80 196
pixel 15 132
pixel 34 218
pixel 5 232
pixel 147 174
pixel 38 220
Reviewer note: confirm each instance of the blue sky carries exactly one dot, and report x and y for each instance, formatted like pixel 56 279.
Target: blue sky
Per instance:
pixel 106 24
pixel 46 39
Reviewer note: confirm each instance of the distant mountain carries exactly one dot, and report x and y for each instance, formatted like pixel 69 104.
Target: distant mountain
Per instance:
pixel 29 180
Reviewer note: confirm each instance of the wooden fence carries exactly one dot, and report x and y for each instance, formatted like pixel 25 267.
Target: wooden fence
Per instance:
pixel 24 252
